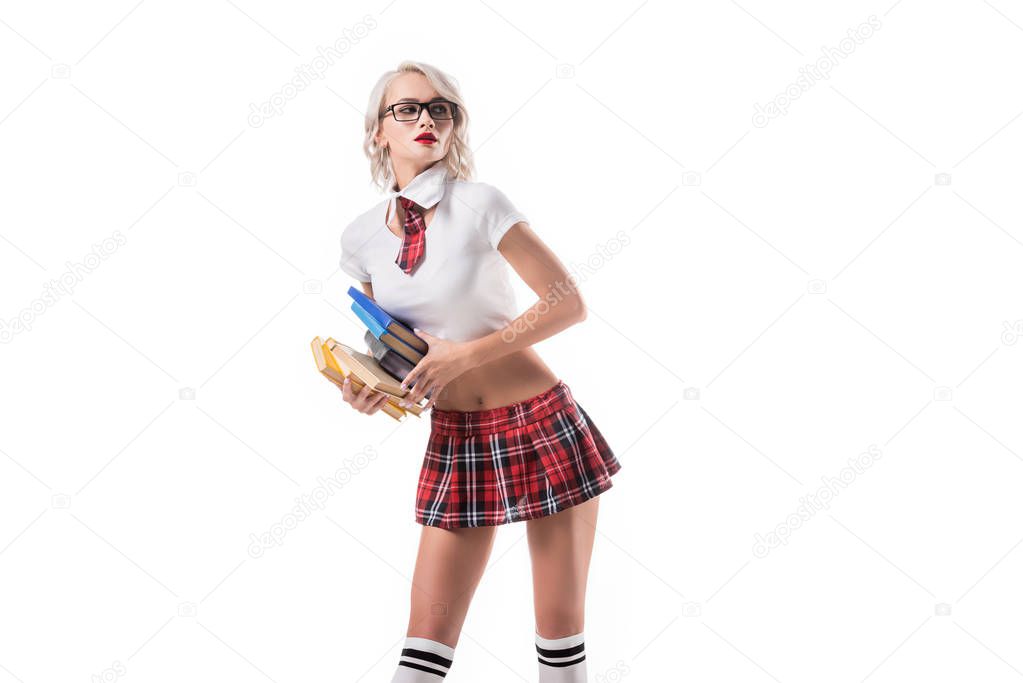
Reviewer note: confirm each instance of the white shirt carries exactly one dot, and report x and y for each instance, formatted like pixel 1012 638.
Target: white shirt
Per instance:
pixel 460 290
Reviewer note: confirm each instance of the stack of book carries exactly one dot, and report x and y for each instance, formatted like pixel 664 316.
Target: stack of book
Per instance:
pixel 394 349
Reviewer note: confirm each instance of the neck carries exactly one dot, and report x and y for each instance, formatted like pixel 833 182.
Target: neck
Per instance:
pixel 405 172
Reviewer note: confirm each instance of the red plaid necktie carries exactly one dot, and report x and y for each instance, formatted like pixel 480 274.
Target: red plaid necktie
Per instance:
pixel 413 246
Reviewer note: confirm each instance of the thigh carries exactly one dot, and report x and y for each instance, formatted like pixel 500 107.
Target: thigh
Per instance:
pixel 449 565
pixel 560 547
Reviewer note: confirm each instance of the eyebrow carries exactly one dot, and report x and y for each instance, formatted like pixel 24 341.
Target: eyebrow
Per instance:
pixel 412 99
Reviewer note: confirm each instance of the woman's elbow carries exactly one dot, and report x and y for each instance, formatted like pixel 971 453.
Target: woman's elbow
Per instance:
pixel 578 308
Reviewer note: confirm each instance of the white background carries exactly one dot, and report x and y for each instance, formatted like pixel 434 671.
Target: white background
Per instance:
pixel 791 296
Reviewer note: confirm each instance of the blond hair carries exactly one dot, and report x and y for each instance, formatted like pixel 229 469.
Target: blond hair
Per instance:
pixel 459 159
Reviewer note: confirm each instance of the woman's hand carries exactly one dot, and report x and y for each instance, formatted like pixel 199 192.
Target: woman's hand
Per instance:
pixel 443 362
pixel 366 401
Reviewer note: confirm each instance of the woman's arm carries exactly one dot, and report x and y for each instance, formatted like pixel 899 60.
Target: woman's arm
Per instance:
pixel 560 304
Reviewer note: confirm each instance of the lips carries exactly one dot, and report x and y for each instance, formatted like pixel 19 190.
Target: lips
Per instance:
pixel 427 137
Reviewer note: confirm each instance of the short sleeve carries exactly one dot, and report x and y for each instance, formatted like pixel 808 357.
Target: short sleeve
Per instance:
pixel 499 216
pixel 351 262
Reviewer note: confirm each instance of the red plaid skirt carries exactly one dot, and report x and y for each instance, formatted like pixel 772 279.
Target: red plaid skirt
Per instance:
pixel 521 461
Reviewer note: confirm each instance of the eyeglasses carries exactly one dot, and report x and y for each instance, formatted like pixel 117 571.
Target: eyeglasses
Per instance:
pixel 411 111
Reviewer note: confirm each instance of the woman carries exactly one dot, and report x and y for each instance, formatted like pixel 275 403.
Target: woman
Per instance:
pixel 508 442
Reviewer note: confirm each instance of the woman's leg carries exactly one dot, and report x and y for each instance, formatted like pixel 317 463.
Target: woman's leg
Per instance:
pixel 448 569
pixel 560 547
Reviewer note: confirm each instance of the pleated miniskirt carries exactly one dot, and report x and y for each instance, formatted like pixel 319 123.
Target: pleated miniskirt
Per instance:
pixel 525 460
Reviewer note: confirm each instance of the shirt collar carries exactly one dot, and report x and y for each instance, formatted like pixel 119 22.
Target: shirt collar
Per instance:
pixel 426 189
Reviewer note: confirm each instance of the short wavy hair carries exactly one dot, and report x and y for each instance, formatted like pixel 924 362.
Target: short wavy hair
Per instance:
pixel 459 159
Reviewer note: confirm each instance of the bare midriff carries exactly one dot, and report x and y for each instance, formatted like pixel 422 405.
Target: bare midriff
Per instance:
pixel 500 382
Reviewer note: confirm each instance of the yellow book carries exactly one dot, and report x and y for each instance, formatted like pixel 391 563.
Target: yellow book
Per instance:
pixel 357 384
pixel 328 366
pixel 366 368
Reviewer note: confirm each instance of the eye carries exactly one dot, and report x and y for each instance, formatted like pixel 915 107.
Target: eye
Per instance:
pixel 407 109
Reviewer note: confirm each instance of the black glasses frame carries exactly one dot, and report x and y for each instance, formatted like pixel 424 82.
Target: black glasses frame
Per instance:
pixel 419 114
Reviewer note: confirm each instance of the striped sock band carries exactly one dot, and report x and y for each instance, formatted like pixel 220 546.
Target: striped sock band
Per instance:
pixel 562 660
pixel 423 661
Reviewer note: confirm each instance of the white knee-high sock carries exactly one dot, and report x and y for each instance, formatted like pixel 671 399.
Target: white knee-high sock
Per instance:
pixel 562 660
pixel 423 661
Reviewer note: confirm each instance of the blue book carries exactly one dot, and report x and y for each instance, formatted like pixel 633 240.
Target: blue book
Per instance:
pixel 385 336
pixel 385 320
pixel 390 360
